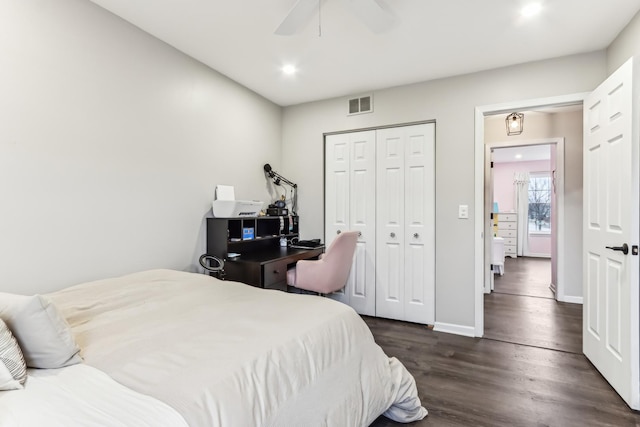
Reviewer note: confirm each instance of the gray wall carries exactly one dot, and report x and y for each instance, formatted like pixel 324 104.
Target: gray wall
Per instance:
pixel 111 145
pixel 626 45
pixel 451 102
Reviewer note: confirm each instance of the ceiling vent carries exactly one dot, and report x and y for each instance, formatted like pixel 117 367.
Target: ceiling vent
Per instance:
pixel 361 105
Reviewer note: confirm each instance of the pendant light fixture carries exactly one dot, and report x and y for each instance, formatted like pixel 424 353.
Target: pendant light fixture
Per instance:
pixel 515 123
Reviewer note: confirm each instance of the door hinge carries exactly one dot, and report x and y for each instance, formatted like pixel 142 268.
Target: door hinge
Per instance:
pixel 491 215
pixel 491 165
pixel 634 250
pixel 491 267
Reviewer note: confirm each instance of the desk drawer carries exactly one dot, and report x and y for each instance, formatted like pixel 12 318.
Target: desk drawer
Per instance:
pixel 274 273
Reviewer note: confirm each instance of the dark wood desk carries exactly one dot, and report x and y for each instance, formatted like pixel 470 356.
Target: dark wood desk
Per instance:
pixel 267 268
pixel 262 261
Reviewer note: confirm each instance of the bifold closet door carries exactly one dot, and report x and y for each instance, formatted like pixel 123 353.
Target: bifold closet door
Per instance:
pixel 350 205
pixel 405 232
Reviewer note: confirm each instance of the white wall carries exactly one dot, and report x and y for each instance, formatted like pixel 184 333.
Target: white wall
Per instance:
pixel 111 144
pixel 451 103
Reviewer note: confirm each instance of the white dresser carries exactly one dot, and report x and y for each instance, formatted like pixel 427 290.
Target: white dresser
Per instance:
pixel 508 230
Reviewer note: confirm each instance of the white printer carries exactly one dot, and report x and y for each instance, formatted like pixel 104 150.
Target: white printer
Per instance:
pixel 226 206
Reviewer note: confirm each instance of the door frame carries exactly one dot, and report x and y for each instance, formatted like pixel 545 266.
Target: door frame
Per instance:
pixel 479 184
pixel 559 202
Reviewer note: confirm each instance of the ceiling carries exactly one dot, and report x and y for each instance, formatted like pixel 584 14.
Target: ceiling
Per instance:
pixel 430 39
pixel 521 154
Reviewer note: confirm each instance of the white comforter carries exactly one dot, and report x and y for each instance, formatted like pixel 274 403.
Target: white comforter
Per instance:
pixel 81 396
pixel 228 354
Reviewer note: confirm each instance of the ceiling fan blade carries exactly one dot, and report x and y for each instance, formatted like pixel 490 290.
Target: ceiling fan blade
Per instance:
pixel 372 13
pixel 298 16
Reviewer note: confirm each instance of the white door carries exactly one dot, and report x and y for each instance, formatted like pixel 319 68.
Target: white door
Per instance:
pixel 350 205
pixel 405 287
pixel 611 217
pixel 390 219
pixel 419 220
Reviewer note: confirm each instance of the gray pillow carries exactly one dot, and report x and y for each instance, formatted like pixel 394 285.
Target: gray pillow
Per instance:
pixel 13 370
pixel 42 333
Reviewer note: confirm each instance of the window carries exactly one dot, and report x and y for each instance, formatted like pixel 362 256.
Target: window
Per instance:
pixel 540 203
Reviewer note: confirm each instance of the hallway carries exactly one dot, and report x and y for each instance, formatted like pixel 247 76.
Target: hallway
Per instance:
pixel 522 309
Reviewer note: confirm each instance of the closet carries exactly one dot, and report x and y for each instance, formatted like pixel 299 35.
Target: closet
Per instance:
pixel 382 184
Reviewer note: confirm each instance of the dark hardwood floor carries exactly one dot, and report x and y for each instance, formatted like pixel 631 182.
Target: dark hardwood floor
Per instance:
pixel 529 369
pixel 525 276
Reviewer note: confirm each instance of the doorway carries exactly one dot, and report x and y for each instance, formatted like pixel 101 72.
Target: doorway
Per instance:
pixel 566 260
pixel 525 186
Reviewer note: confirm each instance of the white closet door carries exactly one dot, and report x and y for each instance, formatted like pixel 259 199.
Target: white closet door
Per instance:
pixel 390 224
pixel 419 219
pixel 350 205
pixel 337 174
pixel 405 219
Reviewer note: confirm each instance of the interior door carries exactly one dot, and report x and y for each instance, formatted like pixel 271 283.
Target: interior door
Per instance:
pixel 337 177
pixel 390 219
pixel 405 287
pixel 350 205
pixel 419 220
pixel 611 217
pixel 362 204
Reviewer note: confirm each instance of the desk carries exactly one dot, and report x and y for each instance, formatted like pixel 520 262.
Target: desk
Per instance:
pixel 267 268
pixel 262 261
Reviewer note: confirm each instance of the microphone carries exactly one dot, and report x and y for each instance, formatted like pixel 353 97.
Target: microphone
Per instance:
pixel 269 171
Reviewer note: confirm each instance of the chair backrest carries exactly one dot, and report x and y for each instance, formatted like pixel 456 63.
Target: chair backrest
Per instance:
pixel 335 265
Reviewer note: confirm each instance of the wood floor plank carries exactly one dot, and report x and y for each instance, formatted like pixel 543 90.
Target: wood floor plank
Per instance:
pixel 479 382
pixel 529 369
pixel 525 276
pixel 539 322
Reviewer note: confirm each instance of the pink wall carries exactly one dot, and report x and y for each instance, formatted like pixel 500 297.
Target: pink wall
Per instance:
pixel 503 193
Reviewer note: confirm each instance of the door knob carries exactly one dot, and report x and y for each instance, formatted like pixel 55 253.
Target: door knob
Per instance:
pixel 416 235
pixel 624 248
pixel 392 234
pixel 338 232
pixel 359 233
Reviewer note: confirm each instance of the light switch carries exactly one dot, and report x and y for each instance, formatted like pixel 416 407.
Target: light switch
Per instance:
pixel 463 211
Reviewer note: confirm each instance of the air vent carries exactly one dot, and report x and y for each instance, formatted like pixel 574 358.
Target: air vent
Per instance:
pixel 361 105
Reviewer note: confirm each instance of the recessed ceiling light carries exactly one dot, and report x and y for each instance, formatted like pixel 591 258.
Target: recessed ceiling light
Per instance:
pixel 531 9
pixel 289 69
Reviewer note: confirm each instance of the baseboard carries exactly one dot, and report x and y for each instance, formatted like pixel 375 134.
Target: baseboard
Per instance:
pixel 450 328
pixel 572 300
pixel 538 255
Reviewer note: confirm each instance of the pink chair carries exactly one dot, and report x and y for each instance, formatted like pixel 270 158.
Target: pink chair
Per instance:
pixel 331 271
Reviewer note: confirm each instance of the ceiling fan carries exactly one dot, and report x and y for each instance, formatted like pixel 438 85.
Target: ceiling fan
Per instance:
pixel 371 12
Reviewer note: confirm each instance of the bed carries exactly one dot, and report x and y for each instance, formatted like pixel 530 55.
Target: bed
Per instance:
pixel 204 352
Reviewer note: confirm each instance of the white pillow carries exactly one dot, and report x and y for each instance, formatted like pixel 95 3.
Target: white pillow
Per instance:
pixel 42 333
pixel 13 371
